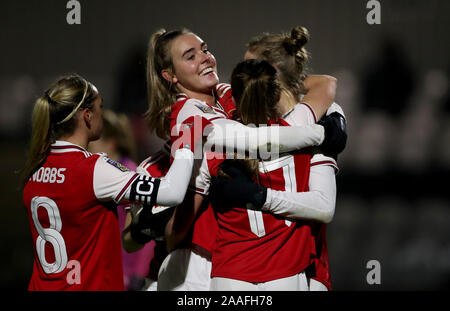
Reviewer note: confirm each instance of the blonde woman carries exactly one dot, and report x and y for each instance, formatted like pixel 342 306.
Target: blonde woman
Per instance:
pixel 70 194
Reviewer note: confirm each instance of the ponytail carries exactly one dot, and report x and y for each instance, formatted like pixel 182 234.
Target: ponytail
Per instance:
pixel 53 116
pixel 256 91
pixel 160 92
pixel 40 138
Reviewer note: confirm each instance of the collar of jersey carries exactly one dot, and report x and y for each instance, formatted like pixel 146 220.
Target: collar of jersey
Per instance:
pixel 219 108
pixel 61 146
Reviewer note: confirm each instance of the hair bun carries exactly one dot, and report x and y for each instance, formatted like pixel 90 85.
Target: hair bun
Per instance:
pixel 297 40
pixel 299 36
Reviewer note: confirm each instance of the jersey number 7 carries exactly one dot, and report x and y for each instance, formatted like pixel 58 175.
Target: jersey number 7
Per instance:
pixel 290 184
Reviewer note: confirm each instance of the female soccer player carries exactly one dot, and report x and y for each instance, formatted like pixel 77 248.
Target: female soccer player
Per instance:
pixel 179 62
pixel 285 52
pixel 255 248
pixel 70 194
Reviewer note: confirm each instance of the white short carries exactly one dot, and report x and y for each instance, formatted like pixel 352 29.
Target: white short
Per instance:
pixel 298 282
pixel 316 286
pixel 150 285
pixel 184 270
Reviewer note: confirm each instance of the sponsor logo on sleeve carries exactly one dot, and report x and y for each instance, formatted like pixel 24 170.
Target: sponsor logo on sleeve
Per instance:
pixel 205 109
pixel 117 165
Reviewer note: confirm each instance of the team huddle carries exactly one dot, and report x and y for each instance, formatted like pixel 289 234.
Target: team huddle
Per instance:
pixel 237 199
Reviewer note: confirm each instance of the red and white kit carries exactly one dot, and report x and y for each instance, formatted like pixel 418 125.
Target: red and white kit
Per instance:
pixel 200 115
pixel 260 247
pixel 189 269
pixel 71 204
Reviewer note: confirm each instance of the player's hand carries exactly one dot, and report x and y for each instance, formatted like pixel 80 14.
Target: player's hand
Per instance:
pixel 237 190
pixel 187 138
pixel 335 134
pixel 149 223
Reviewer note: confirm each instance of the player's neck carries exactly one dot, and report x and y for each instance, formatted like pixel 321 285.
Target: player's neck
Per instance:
pixel 76 139
pixel 286 103
pixel 205 97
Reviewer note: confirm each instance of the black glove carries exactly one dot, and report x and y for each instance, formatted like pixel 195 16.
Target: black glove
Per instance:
pixel 150 223
pixel 335 134
pixel 237 190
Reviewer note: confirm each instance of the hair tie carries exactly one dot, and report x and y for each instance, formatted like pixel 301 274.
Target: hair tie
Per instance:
pixel 77 107
pixel 49 99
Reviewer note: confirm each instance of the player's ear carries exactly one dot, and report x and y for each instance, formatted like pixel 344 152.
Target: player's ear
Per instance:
pixel 169 76
pixel 87 117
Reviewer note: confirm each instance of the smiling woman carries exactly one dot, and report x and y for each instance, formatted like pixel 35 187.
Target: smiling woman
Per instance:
pixel 182 82
pixel 183 88
pixel 194 68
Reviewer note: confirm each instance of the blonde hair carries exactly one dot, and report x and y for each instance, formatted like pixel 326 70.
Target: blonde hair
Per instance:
pixel 160 92
pixel 286 52
pixel 117 126
pixel 53 117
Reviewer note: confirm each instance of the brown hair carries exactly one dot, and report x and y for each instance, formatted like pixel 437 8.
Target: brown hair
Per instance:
pixel 161 95
pixel 53 117
pixel 286 52
pixel 256 91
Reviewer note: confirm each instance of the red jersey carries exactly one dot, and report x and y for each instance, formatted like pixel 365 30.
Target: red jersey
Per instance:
pixel 184 110
pixel 256 246
pixel 320 267
pixel 73 220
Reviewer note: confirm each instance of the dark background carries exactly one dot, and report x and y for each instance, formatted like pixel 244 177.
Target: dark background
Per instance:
pixel 393 84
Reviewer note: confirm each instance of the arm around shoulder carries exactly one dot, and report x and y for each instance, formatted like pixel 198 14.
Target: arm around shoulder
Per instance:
pixel 321 91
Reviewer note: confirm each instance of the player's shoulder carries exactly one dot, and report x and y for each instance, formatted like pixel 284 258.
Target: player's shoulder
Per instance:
pixel 81 160
pixel 67 149
pixel 186 107
pixel 301 114
pixel 184 102
pixel 198 107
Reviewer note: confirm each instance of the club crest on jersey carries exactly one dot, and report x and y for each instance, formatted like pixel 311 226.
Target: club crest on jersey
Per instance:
pixel 117 165
pixel 205 109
